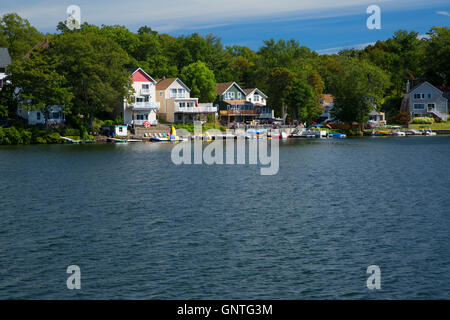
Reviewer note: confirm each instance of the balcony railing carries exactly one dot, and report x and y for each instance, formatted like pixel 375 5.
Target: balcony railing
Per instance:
pixel 145 91
pixel 237 112
pixel 202 108
pixel 145 105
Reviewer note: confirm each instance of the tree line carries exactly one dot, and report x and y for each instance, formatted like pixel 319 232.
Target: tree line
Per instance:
pixel 85 69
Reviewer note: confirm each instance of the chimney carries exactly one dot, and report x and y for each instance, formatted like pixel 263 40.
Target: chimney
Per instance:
pixel 407 86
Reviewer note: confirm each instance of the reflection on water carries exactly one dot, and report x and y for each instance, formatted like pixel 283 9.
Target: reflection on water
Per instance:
pixel 140 227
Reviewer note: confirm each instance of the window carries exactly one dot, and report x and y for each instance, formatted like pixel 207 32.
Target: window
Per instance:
pixel 145 86
pixel 182 104
pixel 239 95
pixel 256 97
pixel 173 93
pixel 120 129
pixel 38 115
pixel 160 93
pixel 419 106
pixel 429 96
pixel 139 99
pixel 416 95
pixel 55 115
pixel 181 93
pixel 142 116
pixel 190 104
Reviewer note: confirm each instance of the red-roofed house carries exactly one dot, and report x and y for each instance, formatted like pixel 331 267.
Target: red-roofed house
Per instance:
pixel 144 108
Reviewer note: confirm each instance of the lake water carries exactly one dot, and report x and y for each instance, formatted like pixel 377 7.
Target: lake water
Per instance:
pixel 140 227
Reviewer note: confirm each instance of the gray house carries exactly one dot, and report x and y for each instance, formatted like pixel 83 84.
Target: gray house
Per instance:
pixel 5 60
pixel 425 100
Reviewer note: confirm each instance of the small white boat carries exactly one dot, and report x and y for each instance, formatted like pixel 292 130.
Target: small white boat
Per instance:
pixel 398 133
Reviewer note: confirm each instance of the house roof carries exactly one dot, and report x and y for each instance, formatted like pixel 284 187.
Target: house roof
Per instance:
pixel 5 58
pixel 163 84
pixel 250 90
pixel 421 84
pixel 222 87
pixel 42 44
pixel 327 98
pixel 135 69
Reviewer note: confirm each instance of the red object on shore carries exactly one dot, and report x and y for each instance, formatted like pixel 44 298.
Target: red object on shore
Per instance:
pixel 147 124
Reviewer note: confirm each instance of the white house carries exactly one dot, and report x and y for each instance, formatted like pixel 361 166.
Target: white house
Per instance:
pixel 177 105
pixel 144 107
pixel 425 100
pixel 5 61
pixel 33 117
pixel 55 112
pixel 259 100
pixel 255 96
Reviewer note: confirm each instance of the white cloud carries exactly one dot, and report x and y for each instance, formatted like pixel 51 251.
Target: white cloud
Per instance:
pixel 444 13
pixel 337 49
pixel 176 14
pixel 359 46
pixel 171 15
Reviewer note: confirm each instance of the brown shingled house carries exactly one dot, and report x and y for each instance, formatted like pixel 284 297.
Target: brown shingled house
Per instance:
pixel 177 106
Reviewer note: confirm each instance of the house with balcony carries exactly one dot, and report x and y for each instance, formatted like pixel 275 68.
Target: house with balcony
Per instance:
pixel 233 104
pixel 259 100
pixel 5 61
pixel 176 103
pixel 143 108
pixel 425 100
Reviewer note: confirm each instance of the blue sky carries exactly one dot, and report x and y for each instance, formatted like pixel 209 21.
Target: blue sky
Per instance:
pixel 323 25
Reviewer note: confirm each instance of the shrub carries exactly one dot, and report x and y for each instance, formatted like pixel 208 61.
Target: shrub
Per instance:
pixel 354 133
pixel 53 137
pixel 71 132
pixel 403 118
pixel 13 135
pixel 422 120
pixel 40 140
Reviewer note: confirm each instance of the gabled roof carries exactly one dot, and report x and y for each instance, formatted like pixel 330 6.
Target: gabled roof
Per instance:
pixel 136 69
pixel 221 88
pixel 327 98
pixel 421 84
pixel 163 84
pixel 251 90
pixel 5 59
pixel 42 44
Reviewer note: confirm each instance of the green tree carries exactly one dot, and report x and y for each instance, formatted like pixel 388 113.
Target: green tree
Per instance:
pixel 18 35
pixel 437 49
pixel 40 85
pixel 95 67
pixel 358 91
pixel 200 80
pixel 278 86
pixel 302 101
